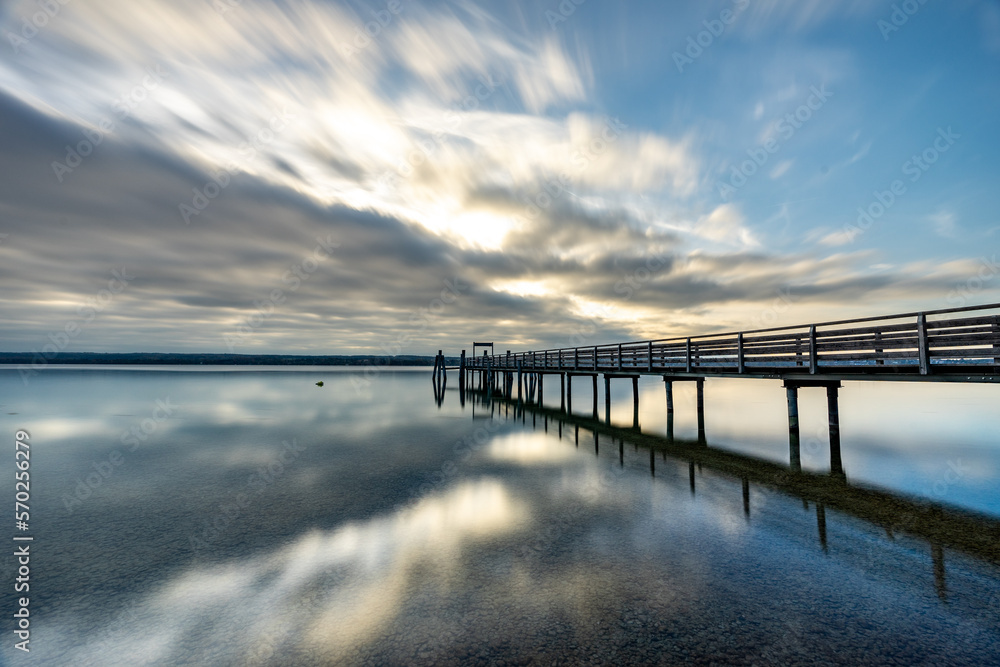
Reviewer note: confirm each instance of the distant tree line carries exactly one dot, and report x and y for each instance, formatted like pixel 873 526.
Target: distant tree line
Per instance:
pixel 152 358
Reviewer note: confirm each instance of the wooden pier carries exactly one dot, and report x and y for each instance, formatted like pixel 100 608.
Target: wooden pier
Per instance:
pixel 950 345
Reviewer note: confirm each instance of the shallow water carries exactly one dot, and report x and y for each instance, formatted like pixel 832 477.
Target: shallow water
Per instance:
pixel 268 521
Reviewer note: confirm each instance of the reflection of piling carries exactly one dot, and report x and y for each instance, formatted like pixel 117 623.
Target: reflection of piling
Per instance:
pixel 937 556
pixel 821 525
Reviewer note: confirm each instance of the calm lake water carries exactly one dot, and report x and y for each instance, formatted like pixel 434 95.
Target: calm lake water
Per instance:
pixel 248 517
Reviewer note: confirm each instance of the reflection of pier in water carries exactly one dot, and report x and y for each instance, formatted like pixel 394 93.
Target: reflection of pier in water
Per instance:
pixel 942 527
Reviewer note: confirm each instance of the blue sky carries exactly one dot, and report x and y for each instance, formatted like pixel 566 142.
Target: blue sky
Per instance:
pixel 349 177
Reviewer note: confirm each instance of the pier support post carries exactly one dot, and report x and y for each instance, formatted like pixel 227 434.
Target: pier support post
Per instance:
pixel 670 408
pixel 519 381
pixel 594 378
pixel 569 393
pixel 562 391
pixel 607 399
pixel 794 457
pixel 836 464
pixel 635 402
pixel 541 376
pixel 701 410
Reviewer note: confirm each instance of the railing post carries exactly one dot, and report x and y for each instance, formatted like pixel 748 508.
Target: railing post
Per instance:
pixel 739 352
pixel 924 351
pixel 649 357
pixel 687 348
pixel 879 361
pixel 996 340
pixel 546 359
pixel 560 360
pixel 619 356
pixel 595 357
pixel 576 358
pixel 813 361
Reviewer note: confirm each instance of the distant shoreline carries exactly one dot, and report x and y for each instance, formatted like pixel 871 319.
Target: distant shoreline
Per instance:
pixel 37 360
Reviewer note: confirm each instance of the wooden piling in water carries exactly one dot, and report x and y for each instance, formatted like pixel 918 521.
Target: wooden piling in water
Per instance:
pixel 594 377
pixel 701 409
pixel 607 399
pixel 635 402
pixel 792 395
pixel 833 410
pixel 670 407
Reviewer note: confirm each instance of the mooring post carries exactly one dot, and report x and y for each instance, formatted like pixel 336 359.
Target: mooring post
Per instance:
pixel 635 402
pixel 562 391
pixel 792 393
pixel 607 399
pixel 836 464
pixel 670 408
pixel 701 410
pixel 691 476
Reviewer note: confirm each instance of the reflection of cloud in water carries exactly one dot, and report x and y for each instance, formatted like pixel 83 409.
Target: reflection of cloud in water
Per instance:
pixel 327 592
pixel 529 448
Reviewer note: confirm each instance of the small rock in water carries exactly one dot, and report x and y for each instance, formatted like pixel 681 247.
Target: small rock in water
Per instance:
pixel 319 384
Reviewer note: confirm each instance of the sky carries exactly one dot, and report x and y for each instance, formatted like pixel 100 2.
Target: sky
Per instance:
pixel 400 177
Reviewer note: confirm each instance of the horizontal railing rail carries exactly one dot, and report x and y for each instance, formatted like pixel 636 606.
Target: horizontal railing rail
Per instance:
pixel 907 343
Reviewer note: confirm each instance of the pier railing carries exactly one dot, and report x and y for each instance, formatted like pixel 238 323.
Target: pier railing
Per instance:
pixel 953 340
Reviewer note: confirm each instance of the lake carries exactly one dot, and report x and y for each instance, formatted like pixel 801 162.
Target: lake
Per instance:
pixel 246 516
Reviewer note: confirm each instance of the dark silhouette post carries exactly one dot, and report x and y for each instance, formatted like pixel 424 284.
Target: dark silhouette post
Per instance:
pixel 607 399
pixel 792 394
pixel 836 464
pixel 670 407
pixel 635 402
pixel 701 409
